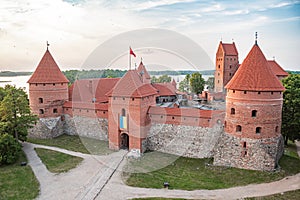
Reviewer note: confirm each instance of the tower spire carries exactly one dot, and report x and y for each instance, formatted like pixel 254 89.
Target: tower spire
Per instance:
pixel 48 45
pixel 255 38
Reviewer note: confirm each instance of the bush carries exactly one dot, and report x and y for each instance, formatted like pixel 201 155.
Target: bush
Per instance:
pixel 10 149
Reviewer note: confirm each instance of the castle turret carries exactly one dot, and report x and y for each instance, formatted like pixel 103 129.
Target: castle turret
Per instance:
pixel 252 137
pixel 227 62
pixel 48 88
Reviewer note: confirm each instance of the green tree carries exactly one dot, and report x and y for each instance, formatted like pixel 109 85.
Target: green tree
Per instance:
pixel 291 108
pixel 184 85
pixel 210 83
pixel 15 114
pixel 197 83
pixel 9 149
pixel 162 79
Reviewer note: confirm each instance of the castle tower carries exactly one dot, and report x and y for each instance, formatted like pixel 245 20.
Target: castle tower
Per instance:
pixel 48 88
pixel 227 62
pixel 252 137
pixel 144 73
pixel 129 101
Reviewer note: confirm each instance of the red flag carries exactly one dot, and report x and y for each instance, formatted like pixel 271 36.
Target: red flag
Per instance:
pixel 131 52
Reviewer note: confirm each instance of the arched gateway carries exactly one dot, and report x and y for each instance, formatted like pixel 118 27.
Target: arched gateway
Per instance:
pixel 124 141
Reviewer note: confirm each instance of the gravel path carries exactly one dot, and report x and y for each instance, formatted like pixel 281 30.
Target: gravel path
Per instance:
pixel 100 177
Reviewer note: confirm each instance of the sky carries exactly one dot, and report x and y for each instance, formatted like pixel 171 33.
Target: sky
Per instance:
pixel 75 28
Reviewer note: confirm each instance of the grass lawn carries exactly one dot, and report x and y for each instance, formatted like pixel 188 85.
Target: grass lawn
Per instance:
pixel 292 195
pixel 57 162
pixel 75 143
pixel 18 182
pixel 192 174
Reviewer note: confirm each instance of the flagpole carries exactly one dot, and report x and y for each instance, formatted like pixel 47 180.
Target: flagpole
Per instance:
pixel 129 59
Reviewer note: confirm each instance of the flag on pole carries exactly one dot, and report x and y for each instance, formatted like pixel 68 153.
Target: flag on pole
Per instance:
pixel 131 52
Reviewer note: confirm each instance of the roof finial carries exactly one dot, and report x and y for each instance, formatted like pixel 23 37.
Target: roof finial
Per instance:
pixel 141 59
pixel 255 38
pixel 48 45
pixel 274 58
pixel 221 39
pixel 232 40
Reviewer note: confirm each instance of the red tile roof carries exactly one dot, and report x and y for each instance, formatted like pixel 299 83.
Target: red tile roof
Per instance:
pixel 255 74
pixel 87 89
pixel 229 49
pixel 277 70
pixel 142 70
pixel 131 85
pixel 47 71
pixel 165 89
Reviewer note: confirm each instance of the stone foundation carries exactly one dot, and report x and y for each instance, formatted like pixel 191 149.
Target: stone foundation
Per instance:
pixel 187 141
pixel 47 128
pixel 86 127
pixel 255 154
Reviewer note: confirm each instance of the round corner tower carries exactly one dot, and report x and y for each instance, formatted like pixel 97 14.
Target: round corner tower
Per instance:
pixel 48 88
pixel 252 138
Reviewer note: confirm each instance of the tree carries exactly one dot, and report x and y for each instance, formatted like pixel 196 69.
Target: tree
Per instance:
pixel 161 79
pixel 291 108
pixel 197 83
pixel 15 114
pixel 184 85
pixel 210 83
pixel 9 149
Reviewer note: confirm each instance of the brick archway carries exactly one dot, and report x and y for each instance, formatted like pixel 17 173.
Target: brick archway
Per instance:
pixel 124 141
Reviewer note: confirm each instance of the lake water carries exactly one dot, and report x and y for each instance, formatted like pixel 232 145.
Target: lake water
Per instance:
pixel 18 81
pixel 21 81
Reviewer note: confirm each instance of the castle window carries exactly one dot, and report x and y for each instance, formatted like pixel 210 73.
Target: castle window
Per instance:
pixel 123 99
pixel 218 81
pixel 258 92
pixel 132 99
pixel 244 145
pixel 161 116
pixel 245 92
pixel 36 84
pixel 173 117
pixel 103 112
pixel 53 84
pixel 219 66
pixel 254 113
pixel 41 100
pixel 229 66
pixel 123 112
pixel 44 84
pixel 238 128
pixel 87 110
pixel 276 129
pixel 258 130
pixel 229 74
pixel 54 110
pixel 271 92
pixel 95 111
pixel 233 91
pixel 234 59
pixel 114 98
pixel 230 58
pixel 232 111
pixel 41 111
pixel 218 74
pixel 62 84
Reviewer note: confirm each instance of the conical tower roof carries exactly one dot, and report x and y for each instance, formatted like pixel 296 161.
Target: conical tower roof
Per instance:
pixel 47 71
pixel 255 74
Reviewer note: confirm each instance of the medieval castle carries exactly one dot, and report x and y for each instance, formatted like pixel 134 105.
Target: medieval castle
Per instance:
pixel 133 113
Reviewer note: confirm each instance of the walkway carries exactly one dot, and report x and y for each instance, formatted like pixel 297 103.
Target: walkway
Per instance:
pixel 99 177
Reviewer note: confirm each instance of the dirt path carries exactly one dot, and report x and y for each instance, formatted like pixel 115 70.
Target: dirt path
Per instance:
pixel 83 182
pixel 99 177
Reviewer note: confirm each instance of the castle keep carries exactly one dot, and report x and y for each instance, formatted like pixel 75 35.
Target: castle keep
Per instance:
pixel 133 113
